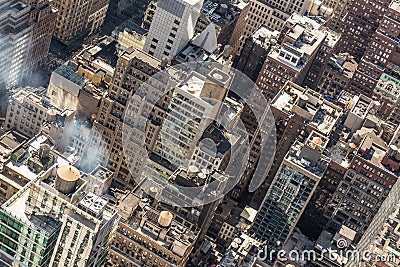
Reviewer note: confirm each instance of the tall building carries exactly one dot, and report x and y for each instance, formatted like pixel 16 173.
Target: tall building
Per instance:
pixel 132 70
pixel 301 39
pixel 255 51
pixel 340 9
pixel 79 18
pixel 172 27
pixel 193 96
pixel 294 184
pixel 322 58
pixel 271 14
pixel 31 114
pixel 297 112
pixel 382 54
pixel 129 34
pixel 387 92
pixel 44 17
pixel 336 76
pixel 359 25
pixel 381 238
pixel 10 142
pixel 386 236
pixel 27 162
pixel 62 218
pixel 68 89
pixel 25 35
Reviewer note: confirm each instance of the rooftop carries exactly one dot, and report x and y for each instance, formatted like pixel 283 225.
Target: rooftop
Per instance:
pixel 70 74
pixel 10 141
pixel 302 158
pixel 150 222
pixel 362 106
pixel 129 25
pixel 344 64
pixel 265 36
pixel 326 241
pixel 192 53
pixel 322 114
pixel 28 99
pixel 395 5
pixel 373 149
pixel 389 86
pixel 35 156
pixel 83 205
pixel 220 140
pixel 209 88
pixel 300 42
pixel 131 53
pixel 42 222
pixel 101 173
pixel 221 13
pixel 242 252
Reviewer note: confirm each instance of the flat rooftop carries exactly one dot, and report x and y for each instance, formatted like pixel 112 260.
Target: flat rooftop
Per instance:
pixel 294 156
pixel 322 114
pixel 101 173
pixel 11 140
pixel 395 5
pixel 17 207
pixel 265 36
pixel 147 223
pixel 373 149
pixel 24 154
pixel 361 108
pixel 302 40
pixel 339 154
pixel 131 53
pixel 70 74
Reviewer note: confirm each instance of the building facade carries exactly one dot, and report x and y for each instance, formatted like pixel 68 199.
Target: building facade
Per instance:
pixel 172 27
pixel 25 35
pixel 58 220
pixel 381 55
pixel 83 17
pixel 359 25
pixel 292 188
pixel 291 60
pixel 255 51
pixel 271 14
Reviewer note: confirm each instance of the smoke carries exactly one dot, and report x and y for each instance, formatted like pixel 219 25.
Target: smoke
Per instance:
pixel 90 145
pixel 83 145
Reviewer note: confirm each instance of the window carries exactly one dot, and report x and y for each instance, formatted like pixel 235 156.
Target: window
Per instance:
pixel 176 22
